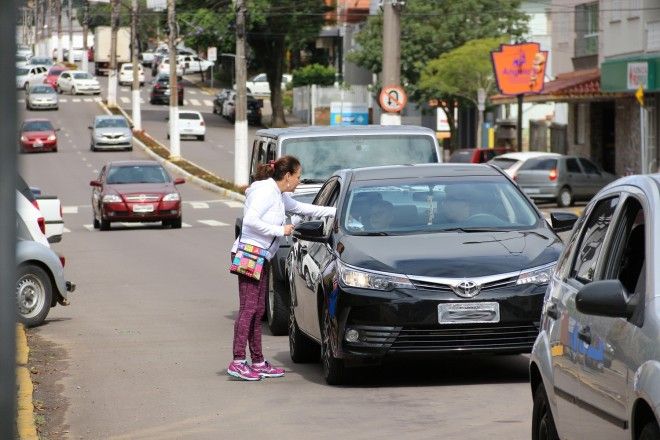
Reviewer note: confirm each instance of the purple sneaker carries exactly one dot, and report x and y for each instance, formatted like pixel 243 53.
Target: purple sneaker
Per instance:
pixel 242 370
pixel 267 370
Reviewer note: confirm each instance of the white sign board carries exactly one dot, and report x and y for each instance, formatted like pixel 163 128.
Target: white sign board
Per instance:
pixel 212 53
pixel 157 5
pixel 442 122
pixel 638 75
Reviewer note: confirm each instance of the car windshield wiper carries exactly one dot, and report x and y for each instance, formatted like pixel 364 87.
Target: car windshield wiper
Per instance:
pixel 312 180
pixel 468 230
pixel 371 234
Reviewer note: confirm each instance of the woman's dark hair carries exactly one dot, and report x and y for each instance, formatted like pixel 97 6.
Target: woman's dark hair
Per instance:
pixel 277 169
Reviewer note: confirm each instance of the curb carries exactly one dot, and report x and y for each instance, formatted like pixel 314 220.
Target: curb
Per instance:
pixel 176 169
pixel 25 426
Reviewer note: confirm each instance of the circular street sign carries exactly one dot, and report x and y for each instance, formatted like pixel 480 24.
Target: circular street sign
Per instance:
pixel 392 99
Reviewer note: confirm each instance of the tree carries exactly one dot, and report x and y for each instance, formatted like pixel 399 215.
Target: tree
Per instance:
pixel 430 28
pixel 459 74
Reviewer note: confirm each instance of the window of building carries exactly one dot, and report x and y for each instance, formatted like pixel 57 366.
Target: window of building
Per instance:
pixel 634 8
pixel 580 123
pixel 616 10
pixel 586 19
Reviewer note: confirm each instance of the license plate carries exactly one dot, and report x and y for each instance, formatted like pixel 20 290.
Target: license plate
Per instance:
pixel 38 144
pixel 469 313
pixel 531 190
pixel 143 208
pixel 167 92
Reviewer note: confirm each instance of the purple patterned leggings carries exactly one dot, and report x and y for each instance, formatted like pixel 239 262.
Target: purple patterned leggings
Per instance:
pixel 247 328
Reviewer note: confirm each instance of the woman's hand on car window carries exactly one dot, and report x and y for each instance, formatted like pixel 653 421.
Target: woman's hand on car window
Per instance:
pixel 288 229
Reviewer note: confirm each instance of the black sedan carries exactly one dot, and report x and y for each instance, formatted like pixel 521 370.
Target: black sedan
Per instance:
pixel 420 260
pixel 160 90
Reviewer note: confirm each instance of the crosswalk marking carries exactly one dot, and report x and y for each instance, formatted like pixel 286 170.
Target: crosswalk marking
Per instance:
pixel 66 230
pixel 131 225
pixel 88 100
pixel 97 99
pixel 194 102
pixel 192 92
pixel 69 210
pixel 199 205
pixel 185 225
pixel 233 203
pixel 89 227
pixel 208 102
pixel 125 100
pixel 76 100
pixel 212 223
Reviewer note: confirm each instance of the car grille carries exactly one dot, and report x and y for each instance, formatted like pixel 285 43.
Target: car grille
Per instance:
pixel 442 287
pixel 143 198
pixel 467 338
pixel 113 136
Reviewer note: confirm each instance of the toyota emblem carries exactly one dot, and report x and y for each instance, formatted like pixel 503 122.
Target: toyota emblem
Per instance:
pixel 142 197
pixel 467 289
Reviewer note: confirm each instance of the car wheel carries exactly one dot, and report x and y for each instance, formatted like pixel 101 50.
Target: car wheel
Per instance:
pixel 152 101
pixel 176 223
pixel 650 431
pixel 214 111
pixel 301 348
pixel 334 370
pixel 59 90
pixel 565 197
pixel 180 103
pixel 73 90
pixel 34 293
pixel 201 138
pixel 96 223
pixel 104 224
pixel 543 424
pixel 276 307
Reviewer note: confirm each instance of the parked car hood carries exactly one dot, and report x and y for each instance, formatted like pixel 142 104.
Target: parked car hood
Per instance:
pixel 141 188
pixel 452 254
pixel 37 134
pixel 113 130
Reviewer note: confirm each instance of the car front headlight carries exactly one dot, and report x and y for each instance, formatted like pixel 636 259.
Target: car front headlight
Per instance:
pixel 354 277
pixel 111 198
pixel 172 197
pixel 52 137
pixel 537 275
pixel 24 138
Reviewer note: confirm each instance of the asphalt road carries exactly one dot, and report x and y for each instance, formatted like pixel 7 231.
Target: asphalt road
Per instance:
pixel 148 334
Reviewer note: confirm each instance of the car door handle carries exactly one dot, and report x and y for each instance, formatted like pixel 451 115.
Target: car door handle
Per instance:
pixel 585 334
pixel 303 249
pixel 552 311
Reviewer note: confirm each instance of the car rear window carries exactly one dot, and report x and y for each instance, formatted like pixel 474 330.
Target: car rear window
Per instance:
pixel 503 163
pixel 38 126
pixel 23 188
pixel 189 116
pixel 82 75
pixel 539 164
pixel 461 156
pixel 137 174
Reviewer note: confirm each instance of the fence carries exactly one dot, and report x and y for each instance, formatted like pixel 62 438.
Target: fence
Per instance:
pixel 307 99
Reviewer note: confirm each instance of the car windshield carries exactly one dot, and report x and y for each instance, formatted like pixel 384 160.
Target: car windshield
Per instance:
pixel 503 163
pixel 111 123
pixel 82 75
pixel 22 71
pixel 137 174
pixel 441 204
pixel 41 89
pixel 40 61
pixel 38 126
pixel 322 156
pixel 461 156
pixel 185 115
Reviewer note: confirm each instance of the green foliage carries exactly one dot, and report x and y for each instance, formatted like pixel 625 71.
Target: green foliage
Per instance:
pixel 460 72
pixel 202 28
pixel 314 74
pixel 430 28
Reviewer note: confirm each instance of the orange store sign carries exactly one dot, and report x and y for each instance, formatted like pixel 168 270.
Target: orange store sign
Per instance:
pixel 519 68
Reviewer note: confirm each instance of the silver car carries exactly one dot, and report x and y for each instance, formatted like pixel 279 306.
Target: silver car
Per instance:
pixel 595 366
pixel 563 179
pixel 111 132
pixel 41 96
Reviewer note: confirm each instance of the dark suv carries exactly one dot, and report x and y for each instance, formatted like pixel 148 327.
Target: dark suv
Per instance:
pixel 160 90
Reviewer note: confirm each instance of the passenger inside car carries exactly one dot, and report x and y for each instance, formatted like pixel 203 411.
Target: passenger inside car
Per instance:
pixel 380 216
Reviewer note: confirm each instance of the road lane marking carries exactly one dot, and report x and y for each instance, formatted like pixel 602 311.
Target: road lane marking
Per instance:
pixel 186 225
pixel 192 92
pixel 66 230
pixel 84 159
pixel 233 203
pixel 212 223
pixel 98 99
pixel 208 102
pixel 125 100
pixel 88 100
pixel 195 102
pixel 89 227
pixel 199 205
pixel 22 101
pixel 63 100
pixel 76 100
pixel 69 210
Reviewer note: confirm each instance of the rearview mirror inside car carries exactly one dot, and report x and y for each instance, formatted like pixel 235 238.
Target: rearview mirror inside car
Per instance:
pixel 310 231
pixel 562 221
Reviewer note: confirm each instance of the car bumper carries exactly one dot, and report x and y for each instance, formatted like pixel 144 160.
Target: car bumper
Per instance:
pixel 43 105
pixel 33 147
pixel 397 324
pixel 113 143
pixel 541 191
pixel 138 212
pixel 89 91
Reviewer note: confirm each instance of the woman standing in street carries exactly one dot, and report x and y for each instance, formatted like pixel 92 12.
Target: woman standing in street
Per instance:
pixel 266 204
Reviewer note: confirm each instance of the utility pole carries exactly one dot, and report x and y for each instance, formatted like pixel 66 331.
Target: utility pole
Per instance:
pixel 391 53
pixel 49 29
pixel 137 116
pixel 70 17
pixel 58 14
pixel 175 141
pixel 240 120
pixel 85 61
pixel 112 71
pixel 35 34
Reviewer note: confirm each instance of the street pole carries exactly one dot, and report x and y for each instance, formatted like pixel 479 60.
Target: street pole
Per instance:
pixel 519 122
pixel 240 120
pixel 391 53
pixel 35 34
pixel 642 138
pixel 70 17
pixel 49 30
pixel 112 72
pixel 58 14
pixel 481 106
pixel 85 61
pixel 137 116
pixel 8 124
pixel 175 141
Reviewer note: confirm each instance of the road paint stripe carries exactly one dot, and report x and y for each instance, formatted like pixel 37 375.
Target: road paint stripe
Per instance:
pixel 98 99
pixel 84 159
pixel 192 92
pixel 212 223
pixel 63 100
pixel 76 100
pixel 88 100
pixel 89 227
pixel 208 102
pixel 199 205
pixel 69 210
pixel 125 100
pixel 233 203
pixel 195 102
pixel 25 425
pixel 66 230
pixel 186 225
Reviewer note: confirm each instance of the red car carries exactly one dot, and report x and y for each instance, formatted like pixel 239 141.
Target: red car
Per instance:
pixel 53 74
pixel 477 155
pixel 135 191
pixel 38 135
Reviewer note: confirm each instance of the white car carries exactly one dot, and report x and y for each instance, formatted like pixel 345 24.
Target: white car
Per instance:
pixel 194 64
pixel 258 84
pixel 75 81
pixel 30 75
pixel 191 123
pixel 164 67
pixel 32 218
pixel 510 163
pixel 147 57
pixel 126 74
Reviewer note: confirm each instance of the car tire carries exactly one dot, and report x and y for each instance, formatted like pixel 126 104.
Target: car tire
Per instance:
pixel 152 101
pixel 565 197
pixel 276 307
pixel 334 370
pixel 176 223
pixel 73 91
pixel 96 223
pixel 215 112
pixel 59 90
pixel 543 424
pixel 301 348
pixel 180 102
pixel 201 138
pixel 34 294
pixel 650 431
pixel 57 108
pixel 104 224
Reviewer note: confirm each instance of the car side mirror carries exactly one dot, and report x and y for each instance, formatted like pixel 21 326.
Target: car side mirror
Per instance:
pixel 606 298
pixel 90 127
pixel 179 181
pixel 310 231
pixel 562 221
pixel 95 183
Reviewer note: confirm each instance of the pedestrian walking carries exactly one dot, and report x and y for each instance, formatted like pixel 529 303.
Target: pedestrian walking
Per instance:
pixel 267 201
